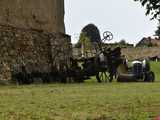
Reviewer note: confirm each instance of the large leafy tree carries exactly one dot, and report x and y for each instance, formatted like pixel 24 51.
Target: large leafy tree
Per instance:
pixel 157 32
pixel 152 7
pixel 92 32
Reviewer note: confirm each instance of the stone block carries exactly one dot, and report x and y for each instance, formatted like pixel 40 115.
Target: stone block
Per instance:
pixel 36 50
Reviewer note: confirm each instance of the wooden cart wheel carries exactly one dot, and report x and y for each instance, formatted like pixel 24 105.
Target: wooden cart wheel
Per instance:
pixel 102 76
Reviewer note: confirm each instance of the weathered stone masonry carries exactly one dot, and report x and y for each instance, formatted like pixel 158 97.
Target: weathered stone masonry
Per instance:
pixel 32 34
pixel 37 50
pixel 45 15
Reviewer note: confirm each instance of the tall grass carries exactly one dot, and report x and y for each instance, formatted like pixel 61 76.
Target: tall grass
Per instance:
pixel 155 66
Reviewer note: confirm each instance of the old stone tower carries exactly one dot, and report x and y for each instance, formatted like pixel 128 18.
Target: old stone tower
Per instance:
pixel 32 34
pixel 37 14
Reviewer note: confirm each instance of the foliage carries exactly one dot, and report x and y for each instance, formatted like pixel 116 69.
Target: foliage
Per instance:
pixel 92 32
pixel 147 44
pixel 152 7
pixel 122 42
pixel 85 43
pixel 157 32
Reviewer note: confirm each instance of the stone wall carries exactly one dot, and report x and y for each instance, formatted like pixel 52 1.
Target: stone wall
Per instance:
pixel 35 49
pixel 46 15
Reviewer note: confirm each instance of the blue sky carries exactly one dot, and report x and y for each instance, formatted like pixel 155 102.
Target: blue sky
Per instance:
pixel 124 18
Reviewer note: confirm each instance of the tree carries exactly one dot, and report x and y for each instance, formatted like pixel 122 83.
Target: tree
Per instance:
pixel 152 7
pixel 92 32
pixel 85 43
pixel 157 32
pixel 123 42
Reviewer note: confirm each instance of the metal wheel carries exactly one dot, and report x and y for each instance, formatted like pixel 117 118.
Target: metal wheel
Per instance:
pixel 102 76
pixel 108 36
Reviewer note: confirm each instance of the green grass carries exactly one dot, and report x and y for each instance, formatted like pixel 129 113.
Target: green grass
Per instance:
pixel 156 68
pixel 87 101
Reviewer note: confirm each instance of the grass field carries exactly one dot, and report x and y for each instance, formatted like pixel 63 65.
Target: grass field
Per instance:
pixel 87 101
pixel 156 69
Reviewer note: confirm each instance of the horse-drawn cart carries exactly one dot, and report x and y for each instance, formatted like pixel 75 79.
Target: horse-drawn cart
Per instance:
pixel 107 64
pixel 103 65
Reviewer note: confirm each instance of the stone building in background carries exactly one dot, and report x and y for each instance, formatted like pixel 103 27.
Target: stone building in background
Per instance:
pixel 32 34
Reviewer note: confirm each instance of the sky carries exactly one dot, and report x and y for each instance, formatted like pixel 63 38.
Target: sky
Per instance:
pixel 126 19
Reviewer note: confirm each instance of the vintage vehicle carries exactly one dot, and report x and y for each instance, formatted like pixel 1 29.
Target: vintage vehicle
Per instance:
pixel 103 65
pixel 138 72
pixel 108 64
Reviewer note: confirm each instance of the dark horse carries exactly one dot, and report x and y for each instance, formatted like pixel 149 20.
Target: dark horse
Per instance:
pixel 110 64
pixel 104 70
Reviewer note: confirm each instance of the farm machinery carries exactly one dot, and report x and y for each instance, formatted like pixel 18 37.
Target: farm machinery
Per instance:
pixel 103 65
pixel 139 71
pixel 108 64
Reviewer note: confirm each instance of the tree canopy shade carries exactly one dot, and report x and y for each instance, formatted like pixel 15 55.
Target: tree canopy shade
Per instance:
pixel 152 7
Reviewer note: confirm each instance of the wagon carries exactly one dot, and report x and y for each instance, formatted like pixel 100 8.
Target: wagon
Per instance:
pixel 108 64
pixel 103 65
